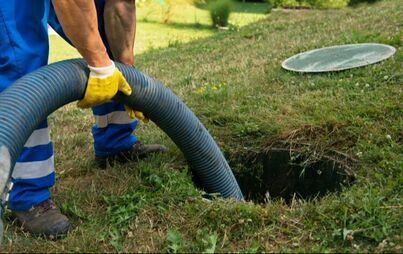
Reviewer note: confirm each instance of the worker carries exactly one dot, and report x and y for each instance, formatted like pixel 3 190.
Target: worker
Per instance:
pixel 101 31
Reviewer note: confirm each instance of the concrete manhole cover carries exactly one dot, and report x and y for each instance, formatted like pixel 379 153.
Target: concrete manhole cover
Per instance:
pixel 337 58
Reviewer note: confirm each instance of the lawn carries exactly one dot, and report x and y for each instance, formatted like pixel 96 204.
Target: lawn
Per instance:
pixel 185 23
pixel 233 82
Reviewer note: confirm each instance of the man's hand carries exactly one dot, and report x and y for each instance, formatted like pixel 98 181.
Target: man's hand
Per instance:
pixel 103 84
pixel 136 114
pixel 79 21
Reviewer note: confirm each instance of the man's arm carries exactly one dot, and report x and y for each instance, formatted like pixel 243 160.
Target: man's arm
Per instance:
pixel 120 28
pixel 79 21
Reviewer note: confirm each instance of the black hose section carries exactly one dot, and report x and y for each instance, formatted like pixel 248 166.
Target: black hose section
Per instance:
pixel 25 104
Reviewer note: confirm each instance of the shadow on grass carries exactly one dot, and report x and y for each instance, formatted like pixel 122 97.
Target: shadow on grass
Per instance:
pixel 179 25
pixel 237 7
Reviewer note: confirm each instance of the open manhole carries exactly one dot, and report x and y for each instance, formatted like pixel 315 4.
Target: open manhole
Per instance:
pixel 287 174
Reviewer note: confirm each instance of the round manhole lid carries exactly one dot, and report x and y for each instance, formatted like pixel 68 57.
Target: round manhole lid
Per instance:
pixel 337 58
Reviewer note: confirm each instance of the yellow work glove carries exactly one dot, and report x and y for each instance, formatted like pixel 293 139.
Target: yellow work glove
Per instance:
pixel 136 114
pixel 103 84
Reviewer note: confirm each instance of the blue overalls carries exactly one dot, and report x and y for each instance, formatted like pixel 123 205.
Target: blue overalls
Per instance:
pixel 24 47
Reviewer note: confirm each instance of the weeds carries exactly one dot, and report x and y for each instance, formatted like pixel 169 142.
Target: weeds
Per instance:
pixel 174 241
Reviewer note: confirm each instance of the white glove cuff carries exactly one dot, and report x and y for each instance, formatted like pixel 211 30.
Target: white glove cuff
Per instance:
pixel 102 72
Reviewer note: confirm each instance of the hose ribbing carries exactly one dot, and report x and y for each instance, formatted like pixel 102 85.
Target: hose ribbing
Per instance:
pixel 32 98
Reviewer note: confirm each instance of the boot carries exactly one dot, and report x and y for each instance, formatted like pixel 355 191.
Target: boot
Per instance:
pixel 136 152
pixel 44 219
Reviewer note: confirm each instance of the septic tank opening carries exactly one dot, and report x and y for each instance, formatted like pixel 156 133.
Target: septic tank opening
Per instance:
pixel 287 174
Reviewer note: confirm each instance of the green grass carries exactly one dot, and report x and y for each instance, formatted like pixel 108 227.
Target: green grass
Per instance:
pixel 233 81
pixel 185 24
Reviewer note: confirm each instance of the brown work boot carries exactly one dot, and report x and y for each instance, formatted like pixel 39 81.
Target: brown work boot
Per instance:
pixel 136 152
pixel 44 219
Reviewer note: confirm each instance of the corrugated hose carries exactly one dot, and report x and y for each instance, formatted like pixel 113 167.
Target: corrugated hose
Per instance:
pixel 33 97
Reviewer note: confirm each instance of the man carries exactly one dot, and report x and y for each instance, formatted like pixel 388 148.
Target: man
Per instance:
pixel 100 30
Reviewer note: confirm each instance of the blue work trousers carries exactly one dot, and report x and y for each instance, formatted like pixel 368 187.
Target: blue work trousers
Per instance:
pixel 24 47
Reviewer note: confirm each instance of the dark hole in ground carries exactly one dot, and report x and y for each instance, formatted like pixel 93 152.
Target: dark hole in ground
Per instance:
pixel 282 173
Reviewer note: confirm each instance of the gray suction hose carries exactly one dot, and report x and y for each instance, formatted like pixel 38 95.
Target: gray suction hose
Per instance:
pixel 33 97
